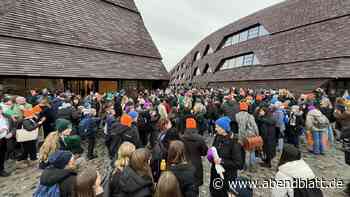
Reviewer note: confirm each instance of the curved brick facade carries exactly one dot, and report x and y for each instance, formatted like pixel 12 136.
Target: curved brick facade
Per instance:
pixel 308 39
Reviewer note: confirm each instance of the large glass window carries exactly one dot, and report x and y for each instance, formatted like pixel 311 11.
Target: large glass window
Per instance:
pixel 243 60
pixel 250 33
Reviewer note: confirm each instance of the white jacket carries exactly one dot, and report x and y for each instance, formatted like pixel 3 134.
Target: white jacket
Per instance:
pixel 288 171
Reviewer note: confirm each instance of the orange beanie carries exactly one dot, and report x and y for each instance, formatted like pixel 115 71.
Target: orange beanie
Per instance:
pixel 126 120
pixel 27 113
pixel 191 123
pixel 259 98
pixel 243 106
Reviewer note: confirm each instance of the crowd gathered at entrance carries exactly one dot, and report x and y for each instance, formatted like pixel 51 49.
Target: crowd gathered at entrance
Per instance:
pixel 156 139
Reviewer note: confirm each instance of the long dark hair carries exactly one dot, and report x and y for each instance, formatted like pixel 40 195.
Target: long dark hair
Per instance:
pixel 176 153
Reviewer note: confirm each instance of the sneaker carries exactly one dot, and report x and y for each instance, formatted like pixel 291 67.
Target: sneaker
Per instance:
pixel 4 174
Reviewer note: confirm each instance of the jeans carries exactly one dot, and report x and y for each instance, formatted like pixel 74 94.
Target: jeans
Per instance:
pixel 330 136
pixel 318 143
pixel 280 144
pixel 250 158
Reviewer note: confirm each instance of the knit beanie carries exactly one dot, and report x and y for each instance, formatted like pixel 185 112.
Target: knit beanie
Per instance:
pixel 133 114
pixel 60 159
pixel 73 144
pixel 62 125
pixel 224 123
pixel 243 106
pixel 126 120
pixel 191 123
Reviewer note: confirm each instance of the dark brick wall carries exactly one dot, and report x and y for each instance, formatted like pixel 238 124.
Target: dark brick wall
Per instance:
pixel 77 38
pixel 302 32
pixel 31 58
pixel 88 23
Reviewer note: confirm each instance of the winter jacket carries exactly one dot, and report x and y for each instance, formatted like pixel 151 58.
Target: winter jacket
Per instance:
pixel 133 185
pixel 114 185
pixel 246 125
pixel 195 149
pixel 298 169
pixel 268 131
pixel 232 159
pixel 343 118
pixel 66 179
pixel 118 134
pixel 185 174
pixel 311 120
pixel 65 112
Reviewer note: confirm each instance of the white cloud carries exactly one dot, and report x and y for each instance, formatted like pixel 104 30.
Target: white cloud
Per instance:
pixel 176 26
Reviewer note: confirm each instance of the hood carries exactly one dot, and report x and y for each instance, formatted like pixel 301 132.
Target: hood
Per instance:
pixel 130 182
pixel 191 134
pixel 52 176
pixel 118 128
pixel 185 171
pixel 297 169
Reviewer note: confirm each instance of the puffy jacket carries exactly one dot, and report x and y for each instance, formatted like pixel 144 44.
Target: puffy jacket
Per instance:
pixel 195 149
pixel 343 118
pixel 185 175
pixel 133 185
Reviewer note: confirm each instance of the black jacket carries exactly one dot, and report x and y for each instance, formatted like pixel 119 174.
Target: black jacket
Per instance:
pixel 195 149
pixel 233 157
pixel 185 176
pixel 66 179
pixel 114 186
pixel 118 134
pixel 268 131
pixel 133 185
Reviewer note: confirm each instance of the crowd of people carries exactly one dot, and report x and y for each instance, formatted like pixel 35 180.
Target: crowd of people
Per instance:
pixel 156 140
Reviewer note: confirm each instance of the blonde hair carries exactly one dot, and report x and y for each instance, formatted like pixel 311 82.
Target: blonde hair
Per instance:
pixel 168 185
pixel 50 145
pixel 124 153
pixel 198 108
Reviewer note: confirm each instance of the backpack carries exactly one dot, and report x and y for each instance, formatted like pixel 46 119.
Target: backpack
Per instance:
pixel 85 126
pixel 45 191
pixel 321 122
pixel 113 142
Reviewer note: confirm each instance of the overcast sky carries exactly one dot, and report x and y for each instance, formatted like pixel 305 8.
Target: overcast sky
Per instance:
pixel 176 26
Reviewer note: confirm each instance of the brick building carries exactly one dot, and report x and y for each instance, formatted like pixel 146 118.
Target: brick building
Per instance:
pixel 298 44
pixel 80 45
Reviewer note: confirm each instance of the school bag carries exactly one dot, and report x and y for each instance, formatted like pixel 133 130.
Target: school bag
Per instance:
pixel 45 191
pixel 321 121
pixel 85 126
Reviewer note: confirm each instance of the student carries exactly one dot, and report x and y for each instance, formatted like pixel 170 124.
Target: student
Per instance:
pixel 268 131
pixel 7 128
pixel 183 170
pixel 29 123
pixel 195 148
pixel 231 154
pixel 124 153
pixel 59 175
pixel 54 141
pixel 136 179
pixel 168 185
pixel 88 129
pixel 120 132
pixel 291 167
pixel 89 184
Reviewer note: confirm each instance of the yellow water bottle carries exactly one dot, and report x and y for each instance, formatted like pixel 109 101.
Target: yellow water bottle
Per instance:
pixel 163 165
